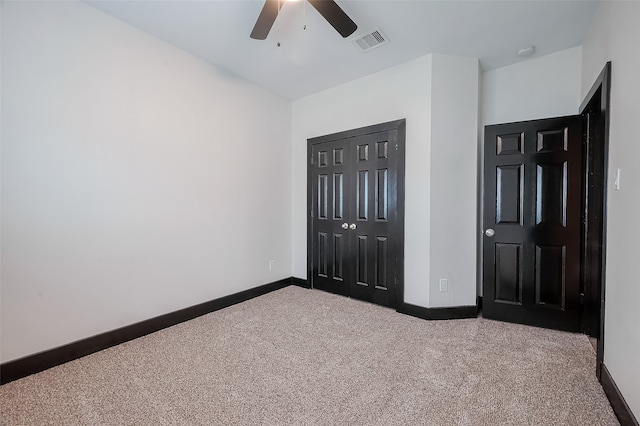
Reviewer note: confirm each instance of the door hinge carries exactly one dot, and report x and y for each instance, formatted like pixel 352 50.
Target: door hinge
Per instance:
pixel 582 298
pixel 396 147
pixel 311 160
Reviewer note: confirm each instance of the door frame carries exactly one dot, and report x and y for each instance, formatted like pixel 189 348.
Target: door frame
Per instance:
pixel 600 90
pixel 397 224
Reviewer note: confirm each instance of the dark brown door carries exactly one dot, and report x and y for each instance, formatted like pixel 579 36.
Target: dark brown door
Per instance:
pixel 356 212
pixel 330 215
pixel 532 229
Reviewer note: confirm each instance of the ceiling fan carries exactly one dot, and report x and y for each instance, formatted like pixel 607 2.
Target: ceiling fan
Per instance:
pixel 327 8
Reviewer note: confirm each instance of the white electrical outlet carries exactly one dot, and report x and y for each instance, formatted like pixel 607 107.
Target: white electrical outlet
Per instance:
pixel 272 265
pixel 444 284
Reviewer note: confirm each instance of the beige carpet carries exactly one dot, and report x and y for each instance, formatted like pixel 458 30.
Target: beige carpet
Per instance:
pixel 305 357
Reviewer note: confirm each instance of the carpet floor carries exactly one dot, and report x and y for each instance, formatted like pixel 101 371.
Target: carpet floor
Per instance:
pixel 305 357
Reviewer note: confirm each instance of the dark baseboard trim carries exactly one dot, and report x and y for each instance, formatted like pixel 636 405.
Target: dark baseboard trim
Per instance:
pixel 619 405
pixel 31 364
pixel 459 312
pixel 300 282
pixel 479 303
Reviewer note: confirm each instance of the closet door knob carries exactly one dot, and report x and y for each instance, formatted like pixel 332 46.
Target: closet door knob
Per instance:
pixel 352 226
pixel 345 225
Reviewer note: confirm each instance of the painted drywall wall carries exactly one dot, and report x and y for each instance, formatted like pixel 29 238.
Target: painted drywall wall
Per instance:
pixel 614 37
pixel 405 91
pixel 548 86
pixel 400 92
pixel 1 14
pixel 542 87
pixel 136 179
pixel 454 120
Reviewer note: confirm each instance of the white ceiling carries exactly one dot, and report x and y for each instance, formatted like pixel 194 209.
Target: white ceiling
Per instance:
pixel 317 58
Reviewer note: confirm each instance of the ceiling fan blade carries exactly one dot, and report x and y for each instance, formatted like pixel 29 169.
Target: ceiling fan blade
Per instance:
pixel 266 19
pixel 335 16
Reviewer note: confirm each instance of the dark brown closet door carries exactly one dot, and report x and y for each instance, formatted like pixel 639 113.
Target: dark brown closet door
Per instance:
pixel 356 233
pixel 331 210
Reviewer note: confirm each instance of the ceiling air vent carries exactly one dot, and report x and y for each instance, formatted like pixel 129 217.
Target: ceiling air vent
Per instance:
pixel 371 40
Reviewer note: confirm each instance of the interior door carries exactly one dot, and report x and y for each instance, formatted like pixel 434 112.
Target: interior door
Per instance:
pixel 331 188
pixel 356 234
pixel 532 222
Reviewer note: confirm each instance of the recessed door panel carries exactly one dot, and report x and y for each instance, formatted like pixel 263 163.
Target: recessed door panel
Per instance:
pixel 508 284
pixel 362 192
pixel 381 262
pixel 550 276
pixel 338 196
pixel 363 153
pixel 323 265
pixel 338 257
pixel 509 192
pixel 323 191
pixel 382 149
pixel 553 140
pixel 362 261
pixel 551 194
pixel 509 144
pixel 382 195
pixel 322 159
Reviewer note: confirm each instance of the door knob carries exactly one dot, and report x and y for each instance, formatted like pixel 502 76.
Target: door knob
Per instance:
pixel 345 225
pixel 489 232
pixel 352 226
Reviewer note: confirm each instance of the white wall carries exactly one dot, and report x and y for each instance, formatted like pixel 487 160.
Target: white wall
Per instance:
pixel 614 37
pixel 136 179
pixel 543 87
pixel 454 120
pixel 1 19
pixel 405 91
